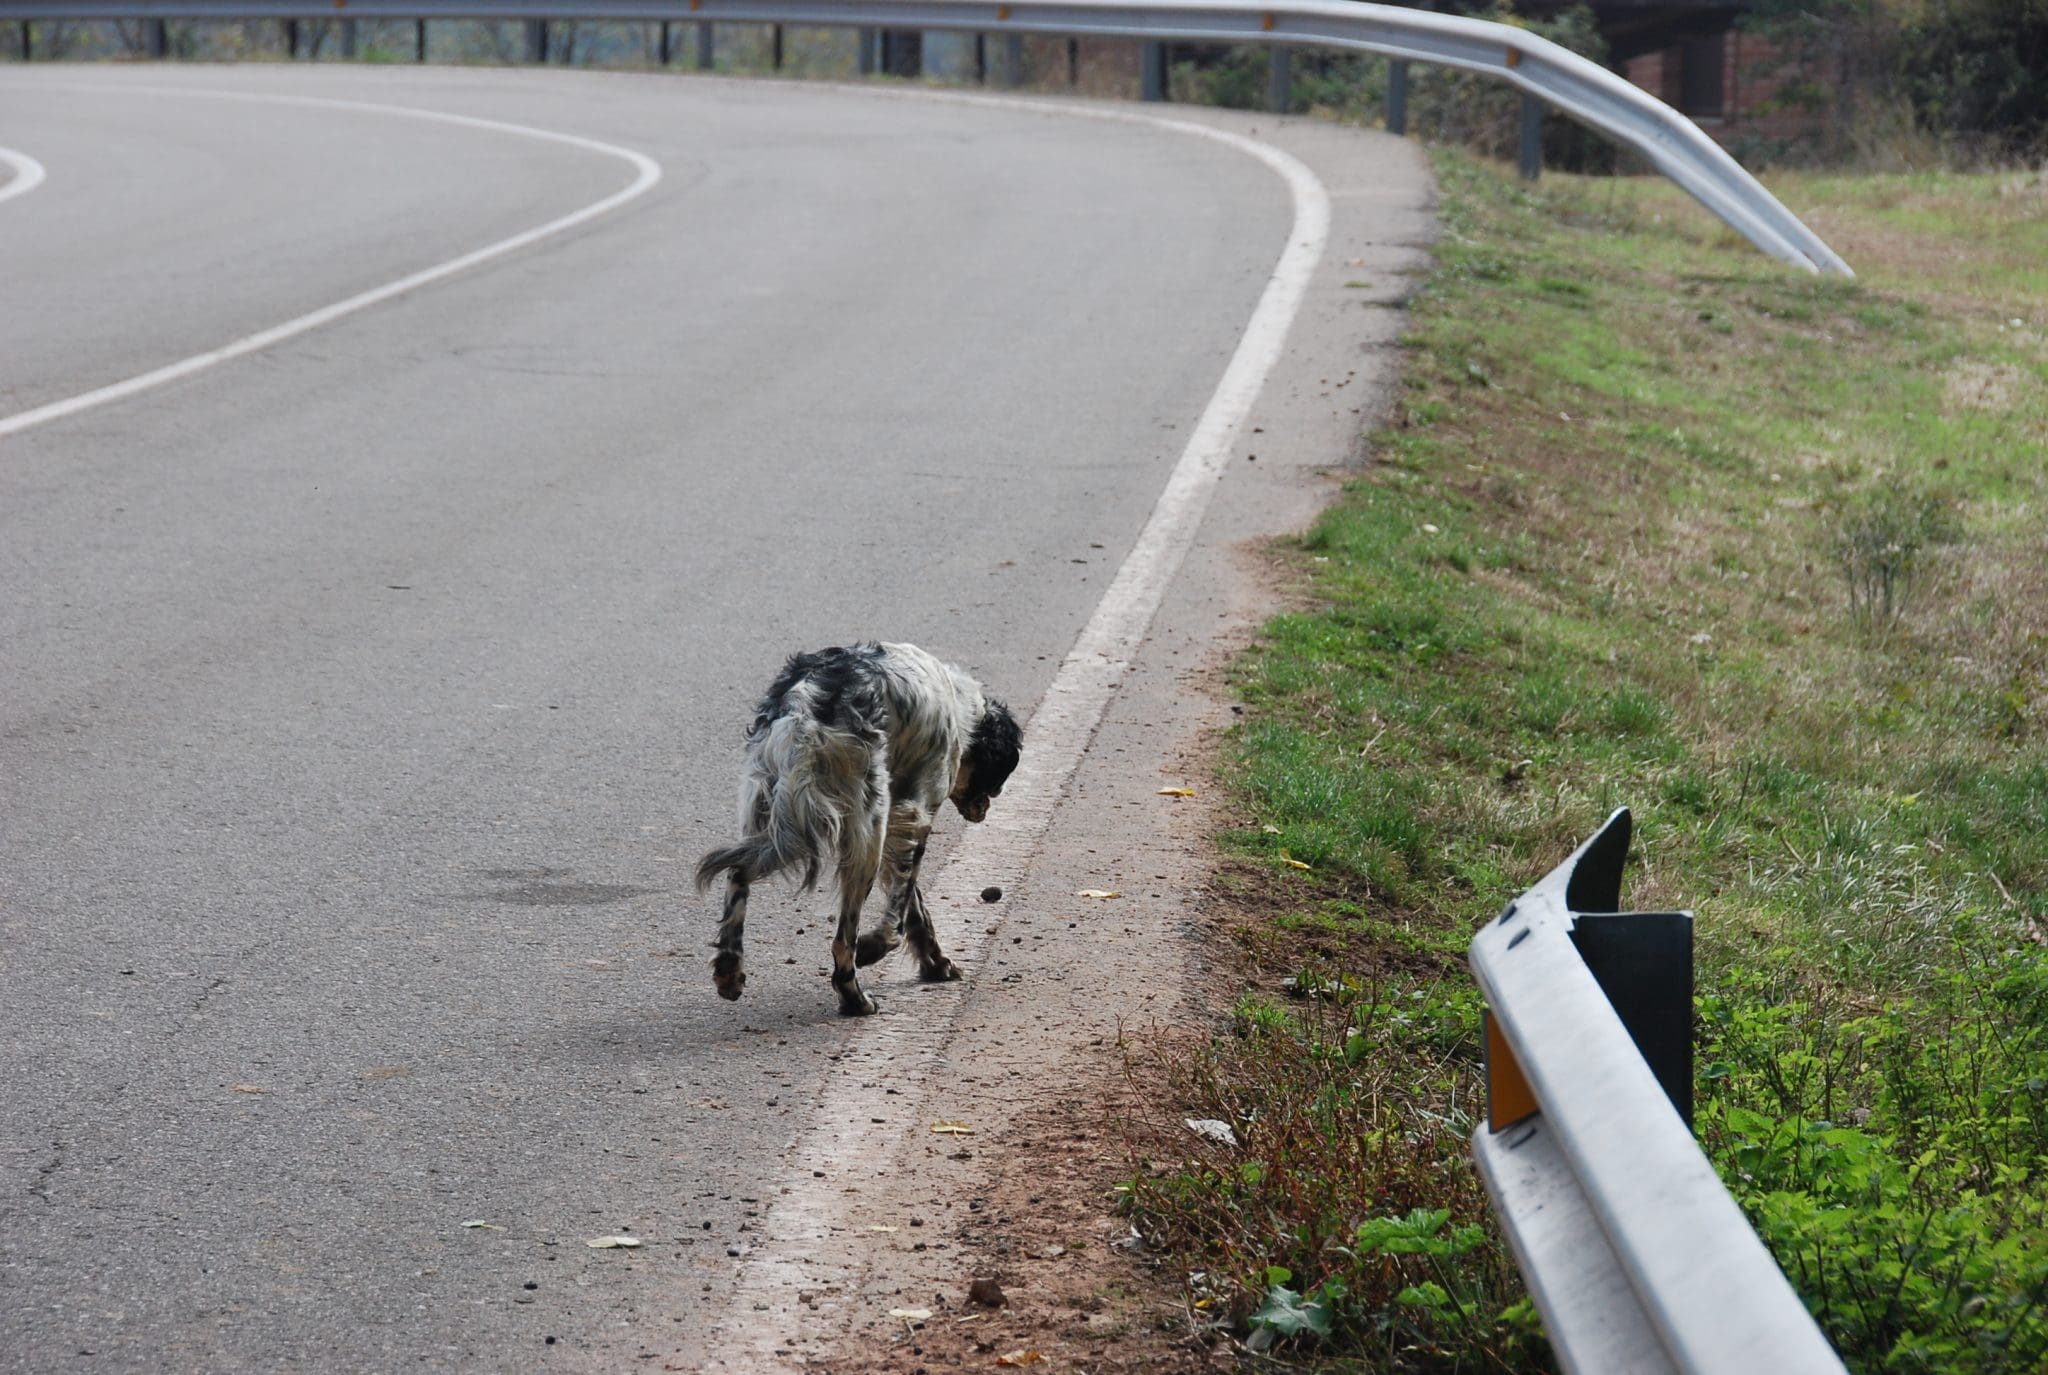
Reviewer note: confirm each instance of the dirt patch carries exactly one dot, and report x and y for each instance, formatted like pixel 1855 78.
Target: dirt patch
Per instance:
pixel 1079 1293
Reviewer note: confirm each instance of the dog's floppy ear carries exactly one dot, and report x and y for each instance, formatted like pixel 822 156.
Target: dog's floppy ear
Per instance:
pixel 993 749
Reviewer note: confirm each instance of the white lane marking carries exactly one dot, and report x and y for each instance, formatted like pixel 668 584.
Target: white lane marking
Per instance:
pixel 812 1225
pixel 647 172
pixel 28 174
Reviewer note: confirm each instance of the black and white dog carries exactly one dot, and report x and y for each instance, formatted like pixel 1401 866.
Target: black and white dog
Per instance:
pixel 848 760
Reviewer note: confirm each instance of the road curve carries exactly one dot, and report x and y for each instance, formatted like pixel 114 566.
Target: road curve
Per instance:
pixel 365 699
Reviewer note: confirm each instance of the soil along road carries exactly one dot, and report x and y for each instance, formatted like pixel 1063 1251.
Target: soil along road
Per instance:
pixel 369 694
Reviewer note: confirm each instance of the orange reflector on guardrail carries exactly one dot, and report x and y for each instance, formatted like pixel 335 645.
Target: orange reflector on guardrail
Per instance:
pixel 1509 1098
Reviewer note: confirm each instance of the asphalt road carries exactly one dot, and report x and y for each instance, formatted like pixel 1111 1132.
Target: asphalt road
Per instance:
pixel 365 700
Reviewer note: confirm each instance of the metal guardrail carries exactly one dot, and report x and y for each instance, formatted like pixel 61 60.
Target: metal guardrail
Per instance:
pixel 1583 90
pixel 1636 1255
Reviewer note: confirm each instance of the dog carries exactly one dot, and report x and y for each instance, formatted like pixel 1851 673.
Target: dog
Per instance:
pixel 849 760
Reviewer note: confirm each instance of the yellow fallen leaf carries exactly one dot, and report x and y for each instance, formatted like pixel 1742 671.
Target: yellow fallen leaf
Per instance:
pixel 1291 861
pixel 953 1128
pixel 1019 1358
pixel 247 1088
pixel 1176 792
pixel 609 1243
pixel 1098 893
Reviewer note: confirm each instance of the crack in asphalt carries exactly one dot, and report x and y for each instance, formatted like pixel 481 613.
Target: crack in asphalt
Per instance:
pixel 40 1186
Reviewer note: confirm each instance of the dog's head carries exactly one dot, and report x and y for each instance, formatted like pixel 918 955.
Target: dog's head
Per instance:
pixel 991 758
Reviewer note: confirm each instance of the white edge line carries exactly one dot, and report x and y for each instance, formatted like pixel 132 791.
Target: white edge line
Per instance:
pixel 763 1323
pixel 648 173
pixel 28 174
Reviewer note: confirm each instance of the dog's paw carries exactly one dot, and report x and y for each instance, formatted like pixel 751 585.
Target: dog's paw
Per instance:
pixel 939 971
pixel 727 976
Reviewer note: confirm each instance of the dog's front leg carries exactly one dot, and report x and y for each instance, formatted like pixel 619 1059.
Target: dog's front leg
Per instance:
pixel 909 824
pixel 932 964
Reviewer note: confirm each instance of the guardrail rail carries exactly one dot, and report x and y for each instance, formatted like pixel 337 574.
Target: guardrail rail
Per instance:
pixel 1637 1257
pixel 1583 90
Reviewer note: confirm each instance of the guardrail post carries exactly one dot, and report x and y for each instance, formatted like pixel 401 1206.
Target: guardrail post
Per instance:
pixel 864 60
pixel 1010 60
pixel 1397 97
pixel 1073 61
pixel 419 40
pixel 775 47
pixel 156 39
pixel 903 53
pixel 707 47
pixel 537 41
pixel 348 38
pixel 1152 72
pixel 665 46
pixel 291 39
pixel 1532 136
pixel 1279 81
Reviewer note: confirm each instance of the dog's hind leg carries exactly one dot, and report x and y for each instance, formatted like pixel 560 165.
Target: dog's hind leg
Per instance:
pixel 728 971
pixel 860 860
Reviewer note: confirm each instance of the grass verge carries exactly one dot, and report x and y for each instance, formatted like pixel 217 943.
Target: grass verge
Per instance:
pixel 1659 523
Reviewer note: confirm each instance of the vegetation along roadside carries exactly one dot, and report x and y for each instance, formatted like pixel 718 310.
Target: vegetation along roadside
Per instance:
pixel 1764 557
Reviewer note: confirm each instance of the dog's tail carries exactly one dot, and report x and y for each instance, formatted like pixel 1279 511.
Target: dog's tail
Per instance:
pixel 789 818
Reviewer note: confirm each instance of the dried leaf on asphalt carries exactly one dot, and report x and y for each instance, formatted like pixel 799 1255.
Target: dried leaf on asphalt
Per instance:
pixel 486 1226
pixel 1176 792
pixel 610 1243
pixel 911 1314
pixel 247 1088
pixel 1019 1358
pixel 953 1128
pixel 1098 893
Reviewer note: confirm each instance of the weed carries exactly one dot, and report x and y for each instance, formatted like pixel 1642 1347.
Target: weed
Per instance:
pixel 1881 540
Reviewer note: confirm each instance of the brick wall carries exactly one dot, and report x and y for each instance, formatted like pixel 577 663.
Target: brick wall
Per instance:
pixel 1752 72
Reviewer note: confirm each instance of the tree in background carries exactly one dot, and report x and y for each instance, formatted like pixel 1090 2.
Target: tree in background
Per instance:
pixel 1979 69
pixel 1917 80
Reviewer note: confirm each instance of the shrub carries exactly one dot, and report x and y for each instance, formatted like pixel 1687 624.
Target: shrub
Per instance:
pixel 1881 540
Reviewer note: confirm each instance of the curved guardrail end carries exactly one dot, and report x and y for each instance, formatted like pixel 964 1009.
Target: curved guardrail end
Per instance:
pixel 1595 867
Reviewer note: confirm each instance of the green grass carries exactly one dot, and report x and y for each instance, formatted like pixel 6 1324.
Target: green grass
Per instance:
pixel 1601 558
